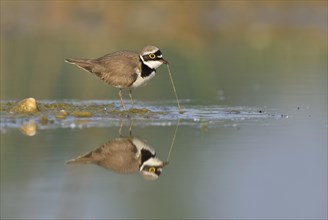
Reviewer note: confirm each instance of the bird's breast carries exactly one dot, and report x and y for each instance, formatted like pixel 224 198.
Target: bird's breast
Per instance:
pixel 142 81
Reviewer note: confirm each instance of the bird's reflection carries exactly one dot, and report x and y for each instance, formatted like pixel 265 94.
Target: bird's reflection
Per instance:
pixel 125 155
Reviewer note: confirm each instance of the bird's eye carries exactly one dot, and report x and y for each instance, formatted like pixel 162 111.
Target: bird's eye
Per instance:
pixel 152 169
pixel 152 56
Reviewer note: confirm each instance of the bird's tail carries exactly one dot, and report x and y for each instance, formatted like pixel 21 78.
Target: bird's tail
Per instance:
pixel 84 64
pixel 83 159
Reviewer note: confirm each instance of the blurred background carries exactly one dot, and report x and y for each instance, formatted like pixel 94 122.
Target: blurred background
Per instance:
pixel 217 50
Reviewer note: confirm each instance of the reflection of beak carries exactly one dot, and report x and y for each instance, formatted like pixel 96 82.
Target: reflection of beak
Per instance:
pixel 164 61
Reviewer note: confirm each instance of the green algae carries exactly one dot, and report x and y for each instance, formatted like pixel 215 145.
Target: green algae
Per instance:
pixel 44 107
pixel 6 106
pixel 71 114
pixel 62 114
pixel 48 114
pixel 139 111
pixel 62 110
pixel 81 114
pixel 43 120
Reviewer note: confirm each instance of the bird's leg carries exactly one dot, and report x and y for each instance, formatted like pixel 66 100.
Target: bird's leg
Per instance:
pixel 132 102
pixel 122 103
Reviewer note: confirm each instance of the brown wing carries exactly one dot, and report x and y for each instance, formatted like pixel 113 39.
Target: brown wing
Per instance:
pixel 118 154
pixel 117 69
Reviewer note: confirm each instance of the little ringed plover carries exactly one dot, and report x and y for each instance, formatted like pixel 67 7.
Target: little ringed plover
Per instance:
pixel 124 69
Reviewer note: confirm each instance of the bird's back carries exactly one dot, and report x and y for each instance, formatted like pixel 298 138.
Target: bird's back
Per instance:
pixel 118 155
pixel 117 69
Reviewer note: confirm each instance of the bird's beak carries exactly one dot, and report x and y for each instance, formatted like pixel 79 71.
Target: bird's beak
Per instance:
pixel 165 163
pixel 164 61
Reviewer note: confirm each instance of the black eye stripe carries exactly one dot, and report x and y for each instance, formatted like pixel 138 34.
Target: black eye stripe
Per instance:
pixel 158 53
pixel 157 171
pixel 146 58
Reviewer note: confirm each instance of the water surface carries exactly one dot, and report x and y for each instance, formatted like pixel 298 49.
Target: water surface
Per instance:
pixel 236 162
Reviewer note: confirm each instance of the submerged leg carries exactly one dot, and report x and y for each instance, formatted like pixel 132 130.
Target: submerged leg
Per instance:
pixel 130 94
pixel 130 127
pixel 120 129
pixel 122 103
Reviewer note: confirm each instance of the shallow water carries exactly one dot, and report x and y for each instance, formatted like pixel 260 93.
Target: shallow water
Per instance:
pixel 236 162
pixel 109 114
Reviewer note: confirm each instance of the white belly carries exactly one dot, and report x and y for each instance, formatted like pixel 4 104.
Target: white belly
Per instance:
pixel 142 81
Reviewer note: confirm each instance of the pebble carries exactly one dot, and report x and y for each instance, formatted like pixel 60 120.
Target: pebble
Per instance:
pixel 28 128
pixel 25 106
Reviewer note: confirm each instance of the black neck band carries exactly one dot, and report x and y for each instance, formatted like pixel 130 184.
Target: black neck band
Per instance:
pixel 145 70
pixel 145 155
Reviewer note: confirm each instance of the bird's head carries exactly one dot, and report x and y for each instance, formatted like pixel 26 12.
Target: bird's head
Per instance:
pixel 152 57
pixel 152 168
